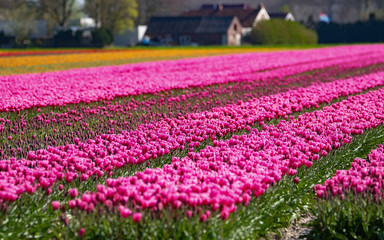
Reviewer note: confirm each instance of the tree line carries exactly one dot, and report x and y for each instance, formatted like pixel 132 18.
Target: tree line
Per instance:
pixel 113 16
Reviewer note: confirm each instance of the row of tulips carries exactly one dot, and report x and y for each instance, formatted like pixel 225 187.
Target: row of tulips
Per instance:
pixel 51 52
pixel 364 176
pixel 85 85
pixel 58 57
pixel 57 62
pixel 86 121
pixel 350 204
pixel 232 171
pixel 106 152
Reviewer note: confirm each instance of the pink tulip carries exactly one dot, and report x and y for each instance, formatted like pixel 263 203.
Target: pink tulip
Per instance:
pixel 72 204
pixel 55 205
pixel 81 232
pixel 73 192
pixel 296 180
pixel 136 217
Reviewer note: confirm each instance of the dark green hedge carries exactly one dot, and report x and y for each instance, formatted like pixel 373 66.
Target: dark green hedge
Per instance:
pixel 4 39
pixel 276 31
pixel 100 37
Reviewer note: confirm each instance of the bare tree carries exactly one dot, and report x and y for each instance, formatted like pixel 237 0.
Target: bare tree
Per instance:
pixel 60 11
pixel 6 4
pixel 114 15
pixel 147 8
pixel 20 16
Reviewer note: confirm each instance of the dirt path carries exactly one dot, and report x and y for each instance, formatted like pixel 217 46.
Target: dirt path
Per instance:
pixel 296 230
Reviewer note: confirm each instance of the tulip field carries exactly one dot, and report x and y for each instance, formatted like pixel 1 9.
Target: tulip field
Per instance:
pixel 21 61
pixel 240 145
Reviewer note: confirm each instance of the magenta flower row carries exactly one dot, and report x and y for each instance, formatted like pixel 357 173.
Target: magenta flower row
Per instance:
pixel 232 171
pixel 82 160
pixel 364 176
pixel 76 115
pixel 19 92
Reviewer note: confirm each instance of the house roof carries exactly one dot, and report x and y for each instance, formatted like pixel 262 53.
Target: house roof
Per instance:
pixel 188 25
pixel 214 24
pixel 225 6
pixel 245 15
pixel 278 15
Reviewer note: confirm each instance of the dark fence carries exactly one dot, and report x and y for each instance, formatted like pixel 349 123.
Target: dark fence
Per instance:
pixel 359 32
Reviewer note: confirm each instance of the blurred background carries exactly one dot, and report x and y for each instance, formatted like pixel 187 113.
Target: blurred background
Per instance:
pixel 125 23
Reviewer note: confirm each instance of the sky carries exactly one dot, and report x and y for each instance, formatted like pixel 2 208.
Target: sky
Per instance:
pixel 80 1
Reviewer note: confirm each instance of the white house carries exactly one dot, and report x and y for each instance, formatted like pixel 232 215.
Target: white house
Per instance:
pixel 130 37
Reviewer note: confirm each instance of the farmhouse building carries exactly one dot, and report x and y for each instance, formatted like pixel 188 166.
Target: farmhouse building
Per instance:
pixel 195 30
pixel 247 16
